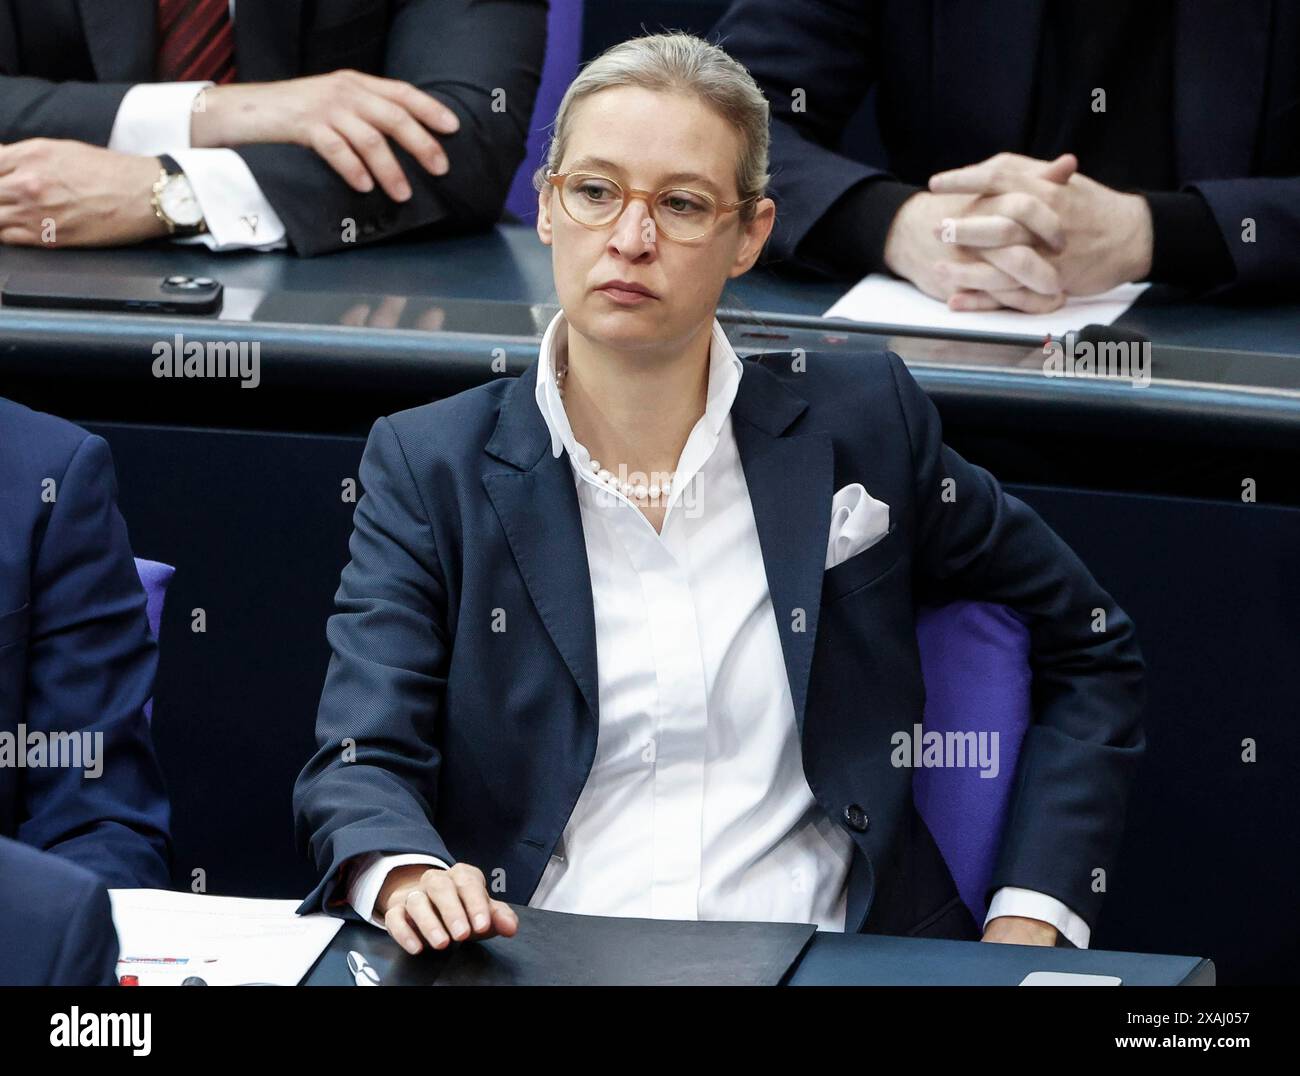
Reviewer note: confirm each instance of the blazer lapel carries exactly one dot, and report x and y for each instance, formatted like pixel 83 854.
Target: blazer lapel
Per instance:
pixel 1220 63
pixel 538 507
pixel 985 59
pixel 121 38
pixel 790 480
pixel 790 488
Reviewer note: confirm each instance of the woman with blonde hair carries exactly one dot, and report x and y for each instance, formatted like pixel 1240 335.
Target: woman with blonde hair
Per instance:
pixel 630 634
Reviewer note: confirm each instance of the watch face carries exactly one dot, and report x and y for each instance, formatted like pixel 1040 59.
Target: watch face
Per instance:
pixel 178 202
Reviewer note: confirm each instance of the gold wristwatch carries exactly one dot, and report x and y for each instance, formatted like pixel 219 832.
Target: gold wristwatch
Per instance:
pixel 174 202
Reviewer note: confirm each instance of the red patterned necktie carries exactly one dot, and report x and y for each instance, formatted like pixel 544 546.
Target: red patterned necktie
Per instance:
pixel 195 41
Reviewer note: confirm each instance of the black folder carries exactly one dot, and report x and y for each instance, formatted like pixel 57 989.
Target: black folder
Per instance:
pixel 559 949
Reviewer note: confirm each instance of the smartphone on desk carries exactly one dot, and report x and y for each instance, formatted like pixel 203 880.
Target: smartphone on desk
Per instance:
pixel 175 294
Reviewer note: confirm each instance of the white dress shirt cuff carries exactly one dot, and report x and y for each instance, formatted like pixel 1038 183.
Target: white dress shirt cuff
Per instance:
pixel 237 213
pixel 154 117
pixel 1030 904
pixel 371 871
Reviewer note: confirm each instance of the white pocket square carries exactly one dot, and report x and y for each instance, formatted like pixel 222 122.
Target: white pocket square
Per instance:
pixel 858 521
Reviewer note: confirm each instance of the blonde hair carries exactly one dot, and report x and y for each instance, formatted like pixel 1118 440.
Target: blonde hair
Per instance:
pixel 677 62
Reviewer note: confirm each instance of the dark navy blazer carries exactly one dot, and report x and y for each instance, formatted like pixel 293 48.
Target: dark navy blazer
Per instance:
pixel 75 654
pixel 439 735
pixel 56 923
pixel 955 81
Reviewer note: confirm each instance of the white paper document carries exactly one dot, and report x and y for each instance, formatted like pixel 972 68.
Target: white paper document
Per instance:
pixel 165 938
pixel 885 300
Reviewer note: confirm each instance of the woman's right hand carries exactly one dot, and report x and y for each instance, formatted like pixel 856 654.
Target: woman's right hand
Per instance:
pixel 429 904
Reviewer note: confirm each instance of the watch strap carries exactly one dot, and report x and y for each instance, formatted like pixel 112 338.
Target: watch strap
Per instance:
pixel 171 168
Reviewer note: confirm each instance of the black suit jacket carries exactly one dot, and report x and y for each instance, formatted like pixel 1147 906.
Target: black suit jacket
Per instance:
pixel 954 82
pixel 440 735
pixel 65 66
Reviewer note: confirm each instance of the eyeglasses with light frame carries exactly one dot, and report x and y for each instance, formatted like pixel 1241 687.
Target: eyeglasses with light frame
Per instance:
pixel 680 213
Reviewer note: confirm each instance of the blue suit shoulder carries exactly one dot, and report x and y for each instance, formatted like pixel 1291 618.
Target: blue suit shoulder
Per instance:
pixel 829 373
pixel 840 384
pixel 453 430
pixel 56 923
pixel 33 443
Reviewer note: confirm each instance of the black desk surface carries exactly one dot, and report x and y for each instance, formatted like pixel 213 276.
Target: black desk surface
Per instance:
pixel 398 281
pixel 414 315
pixel 842 960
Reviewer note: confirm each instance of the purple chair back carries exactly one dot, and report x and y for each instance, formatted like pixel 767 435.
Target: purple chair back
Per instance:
pixel 154 577
pixel 975 662
pixel 563 50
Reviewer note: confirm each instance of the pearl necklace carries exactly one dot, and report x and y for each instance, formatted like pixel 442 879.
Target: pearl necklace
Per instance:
pixel 638 491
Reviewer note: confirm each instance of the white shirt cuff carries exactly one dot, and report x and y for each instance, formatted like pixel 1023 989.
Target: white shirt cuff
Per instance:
pixel 371 871
pixel 1030 904
pixel 236 211
pixel 154 117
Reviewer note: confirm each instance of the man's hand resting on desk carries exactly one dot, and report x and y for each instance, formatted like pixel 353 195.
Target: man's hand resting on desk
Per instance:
pixel 421 903
pixel 974 249
pixel 1106 235
pixel 61 193
pixel 347 117
pixel 1016 930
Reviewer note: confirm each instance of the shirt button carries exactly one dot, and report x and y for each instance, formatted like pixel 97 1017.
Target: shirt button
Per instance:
pixel 856 818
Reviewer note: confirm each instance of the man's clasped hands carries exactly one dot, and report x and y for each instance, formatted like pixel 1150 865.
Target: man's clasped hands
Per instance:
pixel 1021 233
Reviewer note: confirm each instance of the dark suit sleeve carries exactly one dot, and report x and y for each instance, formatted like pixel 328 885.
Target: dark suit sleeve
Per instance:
pixel 372 784
pixel 1187 248
pixel 825 49
pixel 56 922
pixel 1259 218
pixel 36 108
pixel 849 240
pixel 88 951
pixel 1080 754
pixel 91 665
pixel 466 53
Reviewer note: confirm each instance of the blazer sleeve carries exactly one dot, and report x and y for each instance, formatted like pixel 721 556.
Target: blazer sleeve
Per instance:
pixel 37 108
pixel 90 669
pixel 483 60
pixel 56 921
pixel 1079 756
pixel 1259 218
pixel 825 50
pixel 372 784
pixel 88 951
